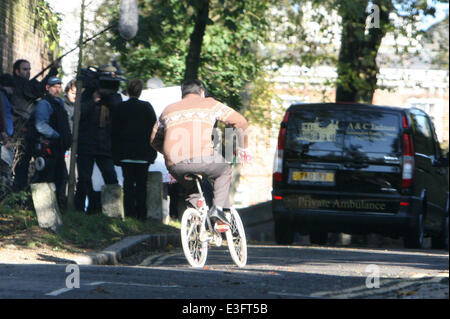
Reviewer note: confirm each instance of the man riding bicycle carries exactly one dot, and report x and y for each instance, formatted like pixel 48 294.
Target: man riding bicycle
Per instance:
pixel 183 135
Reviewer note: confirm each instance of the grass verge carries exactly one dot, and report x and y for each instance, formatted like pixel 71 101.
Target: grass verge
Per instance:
pixel 80 232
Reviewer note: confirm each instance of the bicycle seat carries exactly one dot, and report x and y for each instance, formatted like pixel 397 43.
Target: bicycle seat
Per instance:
pixel 191 176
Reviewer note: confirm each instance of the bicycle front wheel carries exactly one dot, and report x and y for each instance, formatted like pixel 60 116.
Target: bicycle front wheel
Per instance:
pixel 237 242
pixel 194 249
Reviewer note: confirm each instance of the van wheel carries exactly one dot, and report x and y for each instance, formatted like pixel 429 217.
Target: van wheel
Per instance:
pixel 414 238
pixel 318 237
pixel 441 242
pixel 284 233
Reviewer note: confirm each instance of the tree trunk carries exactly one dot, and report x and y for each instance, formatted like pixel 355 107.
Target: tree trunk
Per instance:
pixel 76 117
pixel 195 46
pixel 357 67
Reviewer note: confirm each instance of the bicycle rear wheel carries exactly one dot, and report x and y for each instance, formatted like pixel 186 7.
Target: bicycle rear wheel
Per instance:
pixel 237 242
pixel 194 249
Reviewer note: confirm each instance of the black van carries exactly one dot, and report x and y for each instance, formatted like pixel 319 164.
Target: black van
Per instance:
pixel 360 169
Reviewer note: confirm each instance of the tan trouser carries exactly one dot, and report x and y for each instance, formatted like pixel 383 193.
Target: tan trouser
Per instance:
pixel 213 167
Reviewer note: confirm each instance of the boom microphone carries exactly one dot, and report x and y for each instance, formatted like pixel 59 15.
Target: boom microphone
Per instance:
pixel 128 19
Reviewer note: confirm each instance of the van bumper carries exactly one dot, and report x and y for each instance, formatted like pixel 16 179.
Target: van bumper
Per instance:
pixel 306 220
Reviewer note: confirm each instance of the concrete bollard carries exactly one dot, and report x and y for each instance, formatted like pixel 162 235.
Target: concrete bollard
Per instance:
pixel 112 201
pixel 155 202
pixel 46 206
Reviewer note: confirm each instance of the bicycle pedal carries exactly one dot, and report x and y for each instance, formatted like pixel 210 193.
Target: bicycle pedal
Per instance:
pixel 221 228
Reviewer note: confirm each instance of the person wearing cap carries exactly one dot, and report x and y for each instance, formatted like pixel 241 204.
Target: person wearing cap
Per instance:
pixel 26 92
pixel 51 133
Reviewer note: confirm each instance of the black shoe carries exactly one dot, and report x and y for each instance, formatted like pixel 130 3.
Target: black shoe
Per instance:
pixel 217 215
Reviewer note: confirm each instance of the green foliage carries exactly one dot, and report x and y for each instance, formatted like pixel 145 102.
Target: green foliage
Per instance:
pixel 94 231
pixel 232 61
pixel 230 54
pixel 15 214
pixel 16 201
pixel 79 231
pixel 48 21
pixel 259 109
pixel 356 61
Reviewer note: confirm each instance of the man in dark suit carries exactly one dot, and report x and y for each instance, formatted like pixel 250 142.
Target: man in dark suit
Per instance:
pixel 132 125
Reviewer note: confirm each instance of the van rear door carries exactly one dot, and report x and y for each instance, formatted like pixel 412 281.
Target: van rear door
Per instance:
pixel 351 151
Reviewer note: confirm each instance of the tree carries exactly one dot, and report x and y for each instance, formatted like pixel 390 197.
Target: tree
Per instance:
pixel 193 57
pixel 438 35
pixel 357 66
pixel 356 61
pixel 215 40
pixel 79 85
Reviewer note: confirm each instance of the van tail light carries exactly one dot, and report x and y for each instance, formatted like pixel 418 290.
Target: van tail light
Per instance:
pixel 278 163
pixel 408 157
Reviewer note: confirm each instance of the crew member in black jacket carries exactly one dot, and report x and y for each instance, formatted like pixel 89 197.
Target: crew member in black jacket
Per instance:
pixel 132 125
pixel 94 141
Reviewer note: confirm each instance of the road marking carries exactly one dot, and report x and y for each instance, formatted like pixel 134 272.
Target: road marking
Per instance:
pixel 288 294
pixel 348 291
pixel 98 283
pixel 374 291
pixel 156 260
pixel 58 292
pixel 362 291
pixel 149 260
pixel 130 284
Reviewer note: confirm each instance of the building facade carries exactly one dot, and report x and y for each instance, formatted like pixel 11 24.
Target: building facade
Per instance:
pixel 21 36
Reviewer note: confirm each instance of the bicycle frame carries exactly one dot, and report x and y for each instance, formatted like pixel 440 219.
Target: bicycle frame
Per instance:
pixel 203 209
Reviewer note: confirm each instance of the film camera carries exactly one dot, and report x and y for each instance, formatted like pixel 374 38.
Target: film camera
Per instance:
pixel 104 77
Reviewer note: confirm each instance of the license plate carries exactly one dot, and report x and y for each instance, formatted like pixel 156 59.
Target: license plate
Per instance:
pixel 313 177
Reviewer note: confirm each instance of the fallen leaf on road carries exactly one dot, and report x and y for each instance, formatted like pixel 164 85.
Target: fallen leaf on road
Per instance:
pixel 406 292
pixel 101 289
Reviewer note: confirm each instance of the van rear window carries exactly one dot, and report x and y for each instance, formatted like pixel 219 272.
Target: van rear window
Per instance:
pixel 337 130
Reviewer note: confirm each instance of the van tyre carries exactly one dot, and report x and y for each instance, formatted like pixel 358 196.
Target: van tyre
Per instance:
pixel 446 233
pixel 414 238
pixel 318 237
pixel 441 241
pixel 284 233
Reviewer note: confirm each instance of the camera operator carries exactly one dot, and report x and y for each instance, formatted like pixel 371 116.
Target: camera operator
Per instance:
pixel 98 102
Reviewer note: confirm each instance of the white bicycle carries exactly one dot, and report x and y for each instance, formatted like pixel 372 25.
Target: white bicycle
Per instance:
pixel 197 232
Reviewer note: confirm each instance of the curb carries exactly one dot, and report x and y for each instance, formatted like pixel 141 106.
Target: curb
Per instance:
pixel 113 254
pixel 256 214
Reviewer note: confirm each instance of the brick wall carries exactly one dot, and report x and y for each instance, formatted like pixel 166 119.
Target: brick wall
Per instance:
pixel 20 38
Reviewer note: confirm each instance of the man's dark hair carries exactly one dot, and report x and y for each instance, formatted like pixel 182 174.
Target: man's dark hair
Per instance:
pixel 72 84
pixel 16 65
pixel 192 87
pixel 134 88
